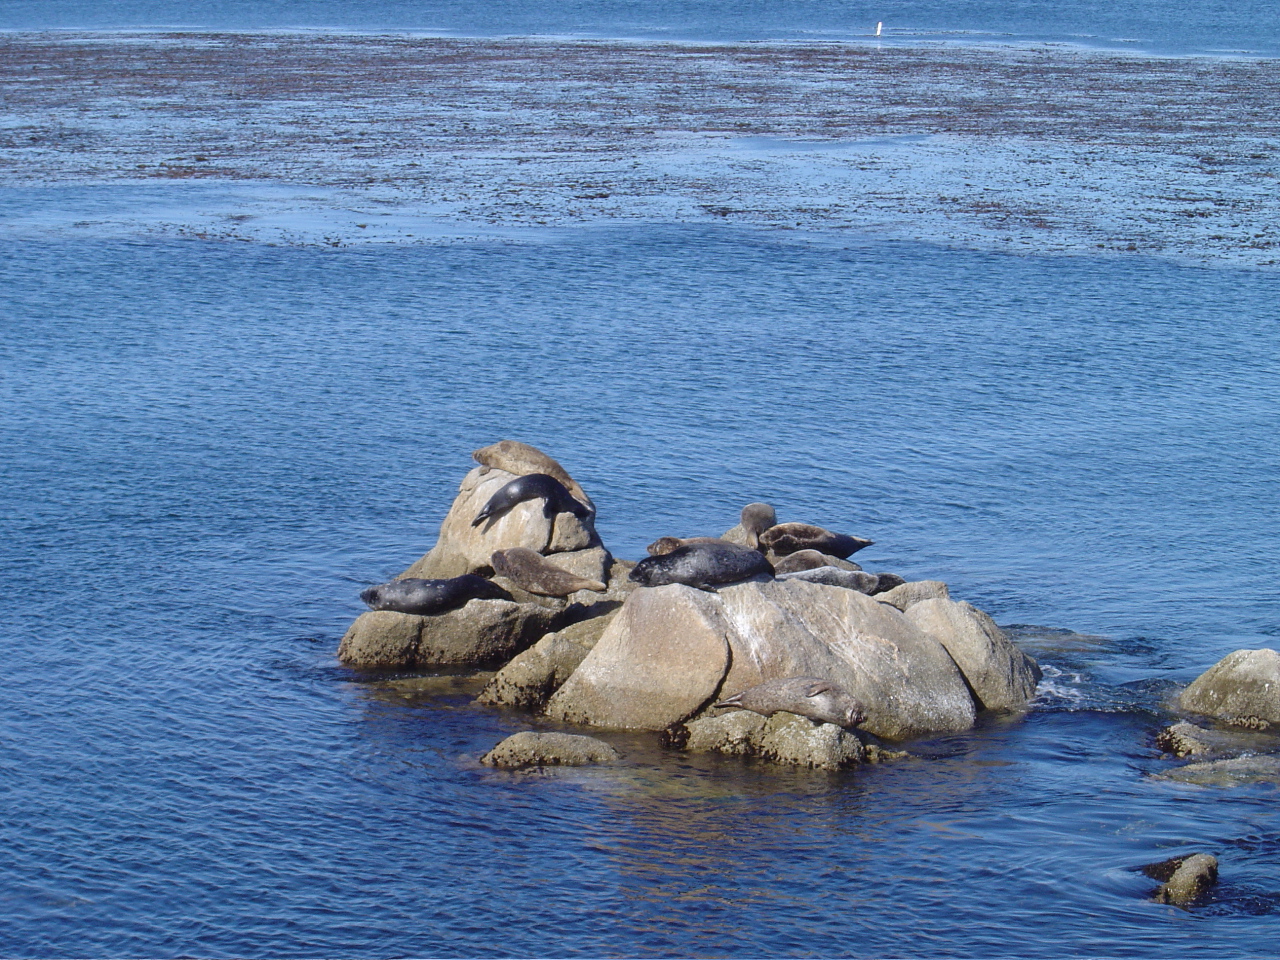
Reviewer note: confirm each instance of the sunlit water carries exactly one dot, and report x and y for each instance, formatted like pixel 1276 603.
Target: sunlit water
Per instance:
pixel 211 447
pixel 1179 27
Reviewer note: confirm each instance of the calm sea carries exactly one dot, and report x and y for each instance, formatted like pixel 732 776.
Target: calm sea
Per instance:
pixel 209 448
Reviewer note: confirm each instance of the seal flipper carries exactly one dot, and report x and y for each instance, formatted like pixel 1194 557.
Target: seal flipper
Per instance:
pixel 816 689
pixel 730 702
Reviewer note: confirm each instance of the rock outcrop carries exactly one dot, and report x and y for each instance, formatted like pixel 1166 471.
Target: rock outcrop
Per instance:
pixel 1185 879
pixel 534 675
pixel 534 749
pixel 1242 688
pixel 462 548
pixel 1001 676
pixel 672 650
pixel 483 631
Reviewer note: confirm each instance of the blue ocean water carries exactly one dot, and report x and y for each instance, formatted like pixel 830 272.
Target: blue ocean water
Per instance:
pixel 209 448
pixel 1152 26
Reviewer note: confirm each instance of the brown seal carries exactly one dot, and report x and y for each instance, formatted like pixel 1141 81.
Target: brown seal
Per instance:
pixel 756 519
pixel 520 459
pixel 786 538
pixel 810 697
pixel 811 560
pixel 530 570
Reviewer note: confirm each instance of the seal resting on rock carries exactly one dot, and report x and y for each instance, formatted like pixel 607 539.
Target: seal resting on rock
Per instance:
pixel 426 597
pixel 756 519
pixel 810 697
pixel 533 486
pixel 810 560
pixel 785 538
pixel 521 459
pixel 530 570
pixel 835 577
pixel 702 565
pixel 664 545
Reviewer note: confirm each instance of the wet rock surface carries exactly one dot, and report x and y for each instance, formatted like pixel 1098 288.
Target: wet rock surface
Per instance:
pixel 1243 688
pixel 1184 879
pixel 537 749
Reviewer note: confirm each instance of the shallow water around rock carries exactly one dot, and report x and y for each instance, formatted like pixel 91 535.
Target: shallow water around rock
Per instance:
pixel 211 449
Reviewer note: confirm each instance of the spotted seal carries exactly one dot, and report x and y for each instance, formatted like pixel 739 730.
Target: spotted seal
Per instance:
pixel 533 486
pixel 809 560
pixel 702 565
pixel 530 570
pixel 521 459
pixel 835 577
pixel 810 697
pixel 426 597
pixel 786 538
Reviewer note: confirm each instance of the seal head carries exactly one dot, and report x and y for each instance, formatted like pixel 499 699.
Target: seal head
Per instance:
pixel 533 486
pixel 811 697
pixel 756 519
pixel 703 565
pixel 427 597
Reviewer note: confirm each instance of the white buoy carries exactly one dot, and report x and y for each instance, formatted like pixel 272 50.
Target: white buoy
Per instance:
pixel 878 26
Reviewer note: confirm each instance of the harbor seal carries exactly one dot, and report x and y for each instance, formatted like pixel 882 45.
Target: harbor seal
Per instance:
pixel 702 565
pixel 664 545
pixel 756 519
pixel 835 577
pixel 810 697
pixel 521 459
pixel 787 538
pixel 533 486
pixel 810 560
pixel 887 581
pixel 427 597
pixel 530 570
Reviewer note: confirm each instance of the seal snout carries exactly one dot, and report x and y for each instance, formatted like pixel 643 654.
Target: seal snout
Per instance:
pixel 369 595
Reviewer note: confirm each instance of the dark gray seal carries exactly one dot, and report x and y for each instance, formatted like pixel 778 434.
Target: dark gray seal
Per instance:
pixel 810 697
pixel 786 538
pixel 887 581
pixel 756 519
pixel 534 486
pixel 530 570
pixel 431 596
pixel 665 545
pixel 702 565
pixel 835 577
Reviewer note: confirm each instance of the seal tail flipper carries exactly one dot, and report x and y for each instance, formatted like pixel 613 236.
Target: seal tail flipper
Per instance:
pixel 731 702
pixel 480 517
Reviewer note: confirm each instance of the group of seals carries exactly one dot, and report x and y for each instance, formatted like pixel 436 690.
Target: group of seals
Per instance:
pixel 428 597
pixel 811 697
pixel 533 486
pixel 520 459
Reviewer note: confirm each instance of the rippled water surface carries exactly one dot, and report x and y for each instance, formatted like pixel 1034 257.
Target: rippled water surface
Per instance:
pixel 1161 26
pixel 211 447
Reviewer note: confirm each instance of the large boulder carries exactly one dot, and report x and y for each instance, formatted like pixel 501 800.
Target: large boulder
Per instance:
pixel 1001 676
pixel 1242 688
pixel 672 650
pixel 534 675
pixel 462 548
pixel 481 632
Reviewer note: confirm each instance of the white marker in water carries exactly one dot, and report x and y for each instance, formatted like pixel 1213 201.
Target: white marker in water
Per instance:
pixel 878 26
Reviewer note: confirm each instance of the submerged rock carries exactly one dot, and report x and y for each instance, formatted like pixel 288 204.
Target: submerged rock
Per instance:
pixel 783 738
pixel 482 632
pixel 1232 772
pixel 1184 879
pixel 1242 688
pixel 534 749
